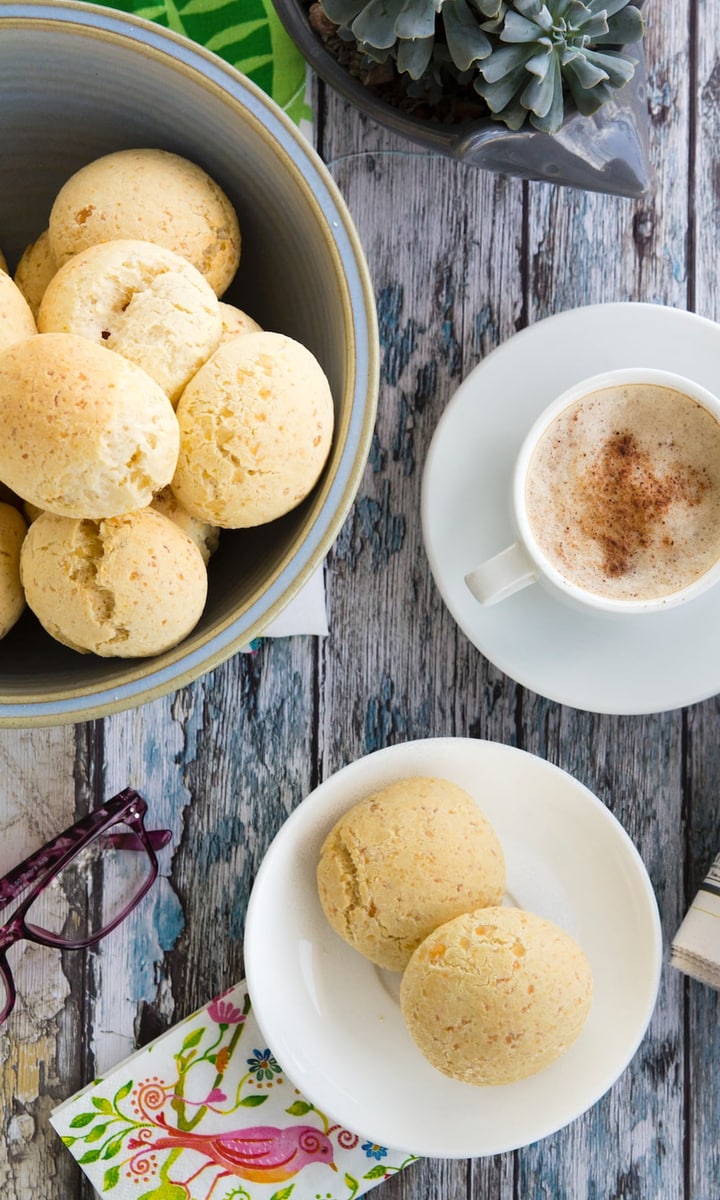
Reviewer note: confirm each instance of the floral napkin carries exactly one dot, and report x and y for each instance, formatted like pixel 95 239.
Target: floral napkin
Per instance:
pixel 205 1112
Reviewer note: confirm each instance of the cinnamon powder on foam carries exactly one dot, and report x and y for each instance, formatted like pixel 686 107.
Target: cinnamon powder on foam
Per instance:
pixel 622 500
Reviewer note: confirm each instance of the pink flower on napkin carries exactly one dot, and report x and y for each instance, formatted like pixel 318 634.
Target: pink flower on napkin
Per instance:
pixel 224 1013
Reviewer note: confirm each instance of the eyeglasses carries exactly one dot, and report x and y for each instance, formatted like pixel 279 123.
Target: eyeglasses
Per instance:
pixel 62 910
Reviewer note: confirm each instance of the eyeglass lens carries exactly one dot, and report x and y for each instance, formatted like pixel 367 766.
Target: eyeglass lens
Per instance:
pixel 93 890
pixel 6 994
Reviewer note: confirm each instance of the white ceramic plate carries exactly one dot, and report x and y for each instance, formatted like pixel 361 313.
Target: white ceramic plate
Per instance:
pixel 591 661
pixel 333 1019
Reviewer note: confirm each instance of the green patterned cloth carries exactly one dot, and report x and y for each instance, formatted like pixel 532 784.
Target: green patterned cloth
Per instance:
pixel 246 33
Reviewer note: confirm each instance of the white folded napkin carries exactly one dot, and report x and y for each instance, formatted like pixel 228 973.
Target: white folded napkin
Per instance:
pixel 696 945
pixel 306 613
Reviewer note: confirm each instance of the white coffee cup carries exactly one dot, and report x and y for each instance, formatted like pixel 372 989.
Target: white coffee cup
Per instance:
pixel 525 561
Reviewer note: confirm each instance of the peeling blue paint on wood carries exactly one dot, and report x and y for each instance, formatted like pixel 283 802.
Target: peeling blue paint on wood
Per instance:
pixel 153 930
pixel 396 340
pixel 450 349
pixel 485 330
pixel 169 920
pixel 379 527
pixel 403 443
pixel 389 718
pixel 371 525
pixel 426 383
pixel 383 723
pixel 378 455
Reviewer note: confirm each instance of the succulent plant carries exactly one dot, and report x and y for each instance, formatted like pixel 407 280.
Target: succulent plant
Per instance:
pixel 524 57
pixel 545 49
pixel 407 30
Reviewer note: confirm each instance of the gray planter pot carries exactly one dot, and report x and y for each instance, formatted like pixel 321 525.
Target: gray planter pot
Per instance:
pixel 607 152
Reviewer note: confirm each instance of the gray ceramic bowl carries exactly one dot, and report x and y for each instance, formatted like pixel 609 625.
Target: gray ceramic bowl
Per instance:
pixel 77 81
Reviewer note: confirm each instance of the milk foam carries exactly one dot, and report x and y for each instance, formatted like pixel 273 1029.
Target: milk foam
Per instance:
pixel 623 492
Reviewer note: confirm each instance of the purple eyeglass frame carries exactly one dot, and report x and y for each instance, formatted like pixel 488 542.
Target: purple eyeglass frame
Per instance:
pixel 40 868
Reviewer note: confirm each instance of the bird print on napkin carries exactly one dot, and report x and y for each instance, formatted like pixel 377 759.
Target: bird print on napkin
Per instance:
pixel 263 1153
pixel 207 1113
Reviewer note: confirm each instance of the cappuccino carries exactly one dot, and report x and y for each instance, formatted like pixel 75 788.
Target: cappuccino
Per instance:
pixel 623 491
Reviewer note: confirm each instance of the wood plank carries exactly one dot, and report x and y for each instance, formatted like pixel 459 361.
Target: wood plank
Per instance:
pixel 38 1044
pixel 632 1143
pixel 447 270
pixel 703 826
pixel 703 1003
pixel 443 275
pixel 222 763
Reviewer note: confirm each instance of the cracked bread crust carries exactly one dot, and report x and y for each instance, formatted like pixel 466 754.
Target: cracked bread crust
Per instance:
pixel 256 425
pixel 496 995
pixel 144 302
pixel 128 586
pixel 403 861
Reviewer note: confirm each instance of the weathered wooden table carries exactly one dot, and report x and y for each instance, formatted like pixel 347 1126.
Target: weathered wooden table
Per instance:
pixel 460 261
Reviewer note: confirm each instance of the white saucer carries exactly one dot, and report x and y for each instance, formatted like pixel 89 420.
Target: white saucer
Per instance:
pixel 333 1019
pixel 601 663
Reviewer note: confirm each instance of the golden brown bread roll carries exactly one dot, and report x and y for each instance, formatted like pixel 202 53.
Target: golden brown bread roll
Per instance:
pixel 155 196
pixel 127 586
pixel 495 995
pixel 87 433
pixel 256 426
pixel 404 860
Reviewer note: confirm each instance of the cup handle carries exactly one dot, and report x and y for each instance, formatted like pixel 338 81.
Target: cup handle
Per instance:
pixel 498 577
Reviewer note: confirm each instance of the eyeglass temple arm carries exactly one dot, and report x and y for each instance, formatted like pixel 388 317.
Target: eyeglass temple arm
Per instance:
pixel 48 857
pixel 130 841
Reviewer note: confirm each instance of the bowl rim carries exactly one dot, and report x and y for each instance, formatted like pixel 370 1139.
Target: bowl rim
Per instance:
pixel 198 654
